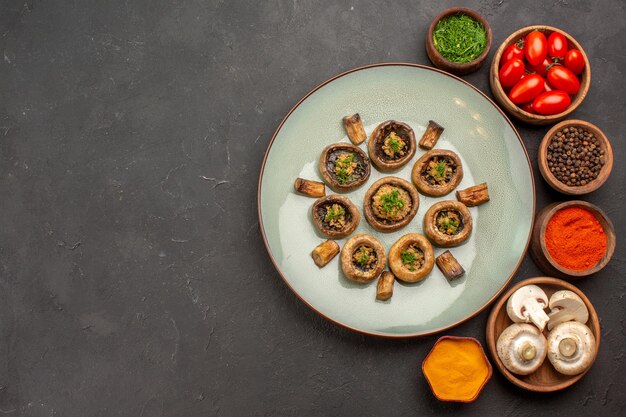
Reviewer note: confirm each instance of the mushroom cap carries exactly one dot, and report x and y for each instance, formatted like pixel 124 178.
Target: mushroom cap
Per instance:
pixel 355 274
pixel 522 348
pixel 436 190
pixel 527 304
pixel 381 224
pixel 565 306
pixel 439 238
pixel 571 348
pixel 351 210
pixel 379 134
pixel 395 258
pixel 327 171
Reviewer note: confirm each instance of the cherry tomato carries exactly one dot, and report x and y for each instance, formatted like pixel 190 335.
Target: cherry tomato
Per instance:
pixel 557 45
pixel 527 89
pixel 512 52
pixel 541 69
pixel 511 72
pixel 535 47
pixel 528 107
pixel 574 61
pixel 551 102
pixel 546 86
pixel 562 78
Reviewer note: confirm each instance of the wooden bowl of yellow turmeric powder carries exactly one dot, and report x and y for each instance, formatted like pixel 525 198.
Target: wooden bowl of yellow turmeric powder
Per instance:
pixel 457 369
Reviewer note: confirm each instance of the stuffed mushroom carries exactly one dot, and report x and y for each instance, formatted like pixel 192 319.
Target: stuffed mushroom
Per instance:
pixel 411 258
pixel 448 223
pixel 362 258
pixel 344 166
pixel 335 216
pixel 390 204
pixel 437 172
pixel 391 145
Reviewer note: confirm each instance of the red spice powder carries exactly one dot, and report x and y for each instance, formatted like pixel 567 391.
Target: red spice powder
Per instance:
pixel 575 239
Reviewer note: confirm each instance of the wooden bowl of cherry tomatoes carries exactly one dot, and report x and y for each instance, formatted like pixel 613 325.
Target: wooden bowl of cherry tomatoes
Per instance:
pixel 540 75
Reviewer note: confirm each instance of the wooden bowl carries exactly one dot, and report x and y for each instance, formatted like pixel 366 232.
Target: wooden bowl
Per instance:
pixel 455 68
pixel 513 109
pixel 546 378
pixel 540 253
pixel 605 145
pixel 487 363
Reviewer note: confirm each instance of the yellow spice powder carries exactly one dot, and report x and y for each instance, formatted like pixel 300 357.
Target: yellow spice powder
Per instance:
pixel 456 369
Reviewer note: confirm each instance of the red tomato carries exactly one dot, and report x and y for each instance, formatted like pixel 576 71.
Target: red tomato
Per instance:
pixel 562 78
pixel 557 45
pixel 546 86
pixel 535 47
pixel 528 107
pixel 574 61
pixel 527 89
pixel 511 72
pixel 551 102
pixel 541 69
pixel 512 52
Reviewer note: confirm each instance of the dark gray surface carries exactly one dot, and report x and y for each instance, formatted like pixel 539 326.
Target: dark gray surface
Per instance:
pixel 133 278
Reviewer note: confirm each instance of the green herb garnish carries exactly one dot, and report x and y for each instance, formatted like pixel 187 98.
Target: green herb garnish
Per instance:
pixel 408 257
pixel 334 212
pixel 440 169
pixel 344 168
pixel 392 201
pixel 459 38
pixel 448 222
pixel 362 256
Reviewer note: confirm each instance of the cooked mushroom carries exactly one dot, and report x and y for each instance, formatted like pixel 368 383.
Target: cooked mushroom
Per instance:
pixel 362 258
pixel 384 288
pixel 310 188
pixel 411 258
pixel 391 145
pixel 565 306
pixel 474 196
pixel 526 305
pixel 431 135
pixel 521 348
pixel 354 128
pixel 344 166
pixel 335 216
pixel 390 204
pixel 325 252
pixel 437 172
pixel 571 348
pixel 448 223
pixel 449 266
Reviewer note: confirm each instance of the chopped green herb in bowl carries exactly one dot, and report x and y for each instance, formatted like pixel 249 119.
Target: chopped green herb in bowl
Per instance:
pixel 460 38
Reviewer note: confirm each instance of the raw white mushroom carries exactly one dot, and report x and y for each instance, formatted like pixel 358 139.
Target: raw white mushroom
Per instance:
pixel 521 348
pixel 565 306
pixel 571 348
pixel 526 305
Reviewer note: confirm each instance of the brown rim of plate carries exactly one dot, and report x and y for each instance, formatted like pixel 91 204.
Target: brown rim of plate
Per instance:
pixel 390 335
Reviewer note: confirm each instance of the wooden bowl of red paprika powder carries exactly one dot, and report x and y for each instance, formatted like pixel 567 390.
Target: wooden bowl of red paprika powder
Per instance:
pixel 572 240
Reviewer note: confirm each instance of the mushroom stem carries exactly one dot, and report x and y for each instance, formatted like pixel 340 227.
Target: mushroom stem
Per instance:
pixel 567 347
pixel 310 188
pixel 325 252
pixel 354 128
pixel 431 135
pixel 527 351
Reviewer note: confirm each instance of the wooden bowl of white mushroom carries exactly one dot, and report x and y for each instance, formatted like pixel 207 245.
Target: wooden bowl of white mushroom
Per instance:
pixel 543 334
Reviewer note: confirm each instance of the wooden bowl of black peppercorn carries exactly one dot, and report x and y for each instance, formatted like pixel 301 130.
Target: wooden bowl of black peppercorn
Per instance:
pixel 575 157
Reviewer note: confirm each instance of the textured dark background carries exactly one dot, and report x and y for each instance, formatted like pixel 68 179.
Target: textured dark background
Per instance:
pixel 133 279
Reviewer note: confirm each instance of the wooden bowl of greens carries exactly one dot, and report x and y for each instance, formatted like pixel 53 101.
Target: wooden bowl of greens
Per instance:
pixel 458 40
